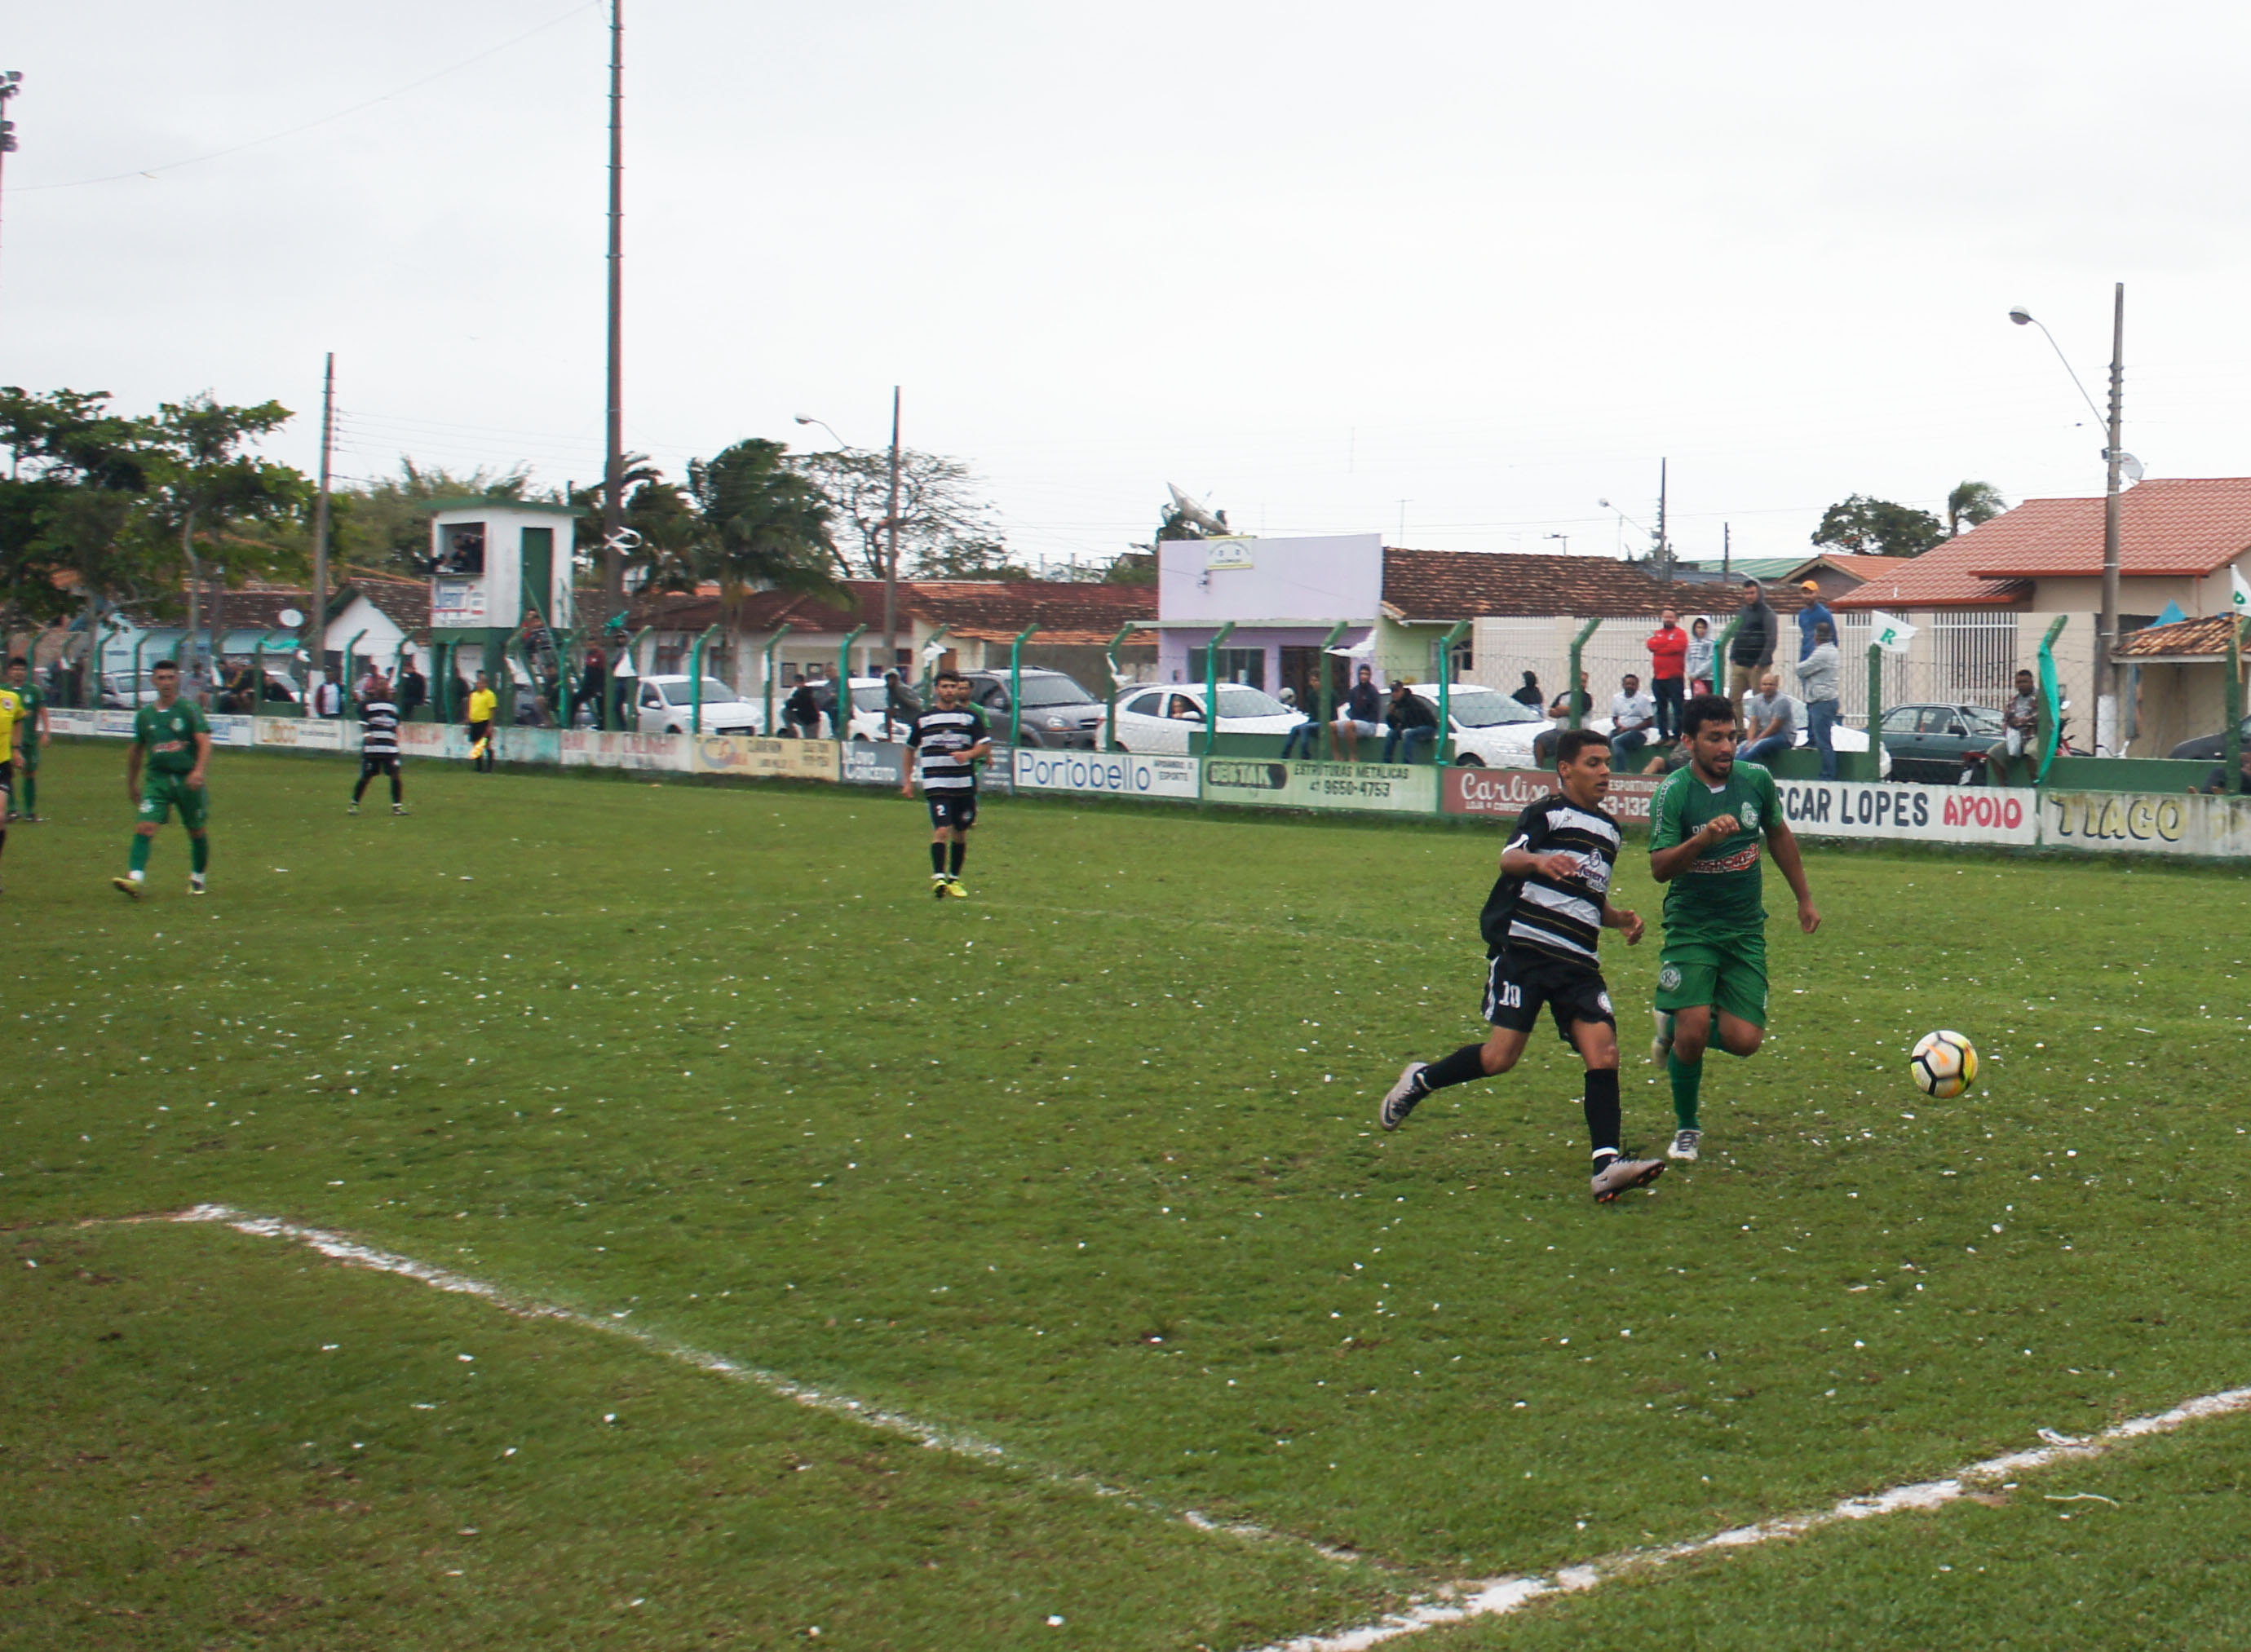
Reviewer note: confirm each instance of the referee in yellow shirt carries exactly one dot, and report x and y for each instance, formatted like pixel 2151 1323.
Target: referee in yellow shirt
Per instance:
pixel 483 703
pixel 12 719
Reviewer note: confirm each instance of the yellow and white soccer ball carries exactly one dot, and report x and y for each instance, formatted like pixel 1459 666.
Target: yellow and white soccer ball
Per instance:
pixel 1944 1064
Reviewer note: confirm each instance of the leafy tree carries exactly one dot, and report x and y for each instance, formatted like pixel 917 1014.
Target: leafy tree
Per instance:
pixel 767 522
pixel 1973 503
pixel 1878 527
pixel 968 559
pixel 386 524
pixel 204 480
pixel 940 505
pixel 1132 568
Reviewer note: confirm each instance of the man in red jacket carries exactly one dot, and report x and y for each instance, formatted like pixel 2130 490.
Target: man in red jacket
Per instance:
pixel 1668 654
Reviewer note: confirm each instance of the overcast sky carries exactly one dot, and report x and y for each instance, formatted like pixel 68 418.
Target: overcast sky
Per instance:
pixel 1307 260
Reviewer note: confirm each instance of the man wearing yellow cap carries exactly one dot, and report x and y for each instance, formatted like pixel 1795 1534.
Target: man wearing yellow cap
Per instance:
pixel 1814 613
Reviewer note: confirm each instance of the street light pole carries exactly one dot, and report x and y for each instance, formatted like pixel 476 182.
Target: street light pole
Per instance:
pixel 12 82
pixel 892 555
pixel 614 464
pixel 2105 675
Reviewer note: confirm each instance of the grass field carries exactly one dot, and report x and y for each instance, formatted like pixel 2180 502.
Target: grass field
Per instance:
pixel 1085 1167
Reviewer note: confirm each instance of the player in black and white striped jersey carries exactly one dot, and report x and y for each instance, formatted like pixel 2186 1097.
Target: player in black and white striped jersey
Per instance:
pixel 379 742
pixel 948 743
pixel 1541 926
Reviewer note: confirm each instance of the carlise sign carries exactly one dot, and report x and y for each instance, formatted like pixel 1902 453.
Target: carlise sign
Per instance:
pixel 1508 792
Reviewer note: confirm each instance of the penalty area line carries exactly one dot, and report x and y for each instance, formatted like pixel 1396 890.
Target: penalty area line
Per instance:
pixel 1499 1596
pixel 351 1252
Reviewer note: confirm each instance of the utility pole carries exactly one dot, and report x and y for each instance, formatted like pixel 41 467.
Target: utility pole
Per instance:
pixel 2106 670
pixel 892 555
pixel 614 460
pixel 1726 547
pixel 1664 546
pixel 12 82
pixel 316 622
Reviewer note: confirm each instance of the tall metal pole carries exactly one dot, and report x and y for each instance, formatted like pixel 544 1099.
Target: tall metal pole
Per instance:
pixel 2106 669
pixel 12 82
pixel 892 555
pixel 614 460
pixel 316 622
pixel 1663 545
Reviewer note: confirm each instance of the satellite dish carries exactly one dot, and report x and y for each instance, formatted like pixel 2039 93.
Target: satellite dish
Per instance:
pixel 1192 511
pixel 2130 466
pixel 290 616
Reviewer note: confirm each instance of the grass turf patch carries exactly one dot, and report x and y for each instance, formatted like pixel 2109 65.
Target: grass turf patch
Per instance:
pixel 217 1440
pixel 1087 1164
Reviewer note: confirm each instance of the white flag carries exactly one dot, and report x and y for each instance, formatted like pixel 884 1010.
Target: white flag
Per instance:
pixel 1362 650
pixel 2242 594
pixel 1893 636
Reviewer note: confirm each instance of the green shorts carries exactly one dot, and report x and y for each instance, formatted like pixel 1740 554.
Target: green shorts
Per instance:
pixel 162 793
pixel 1728 973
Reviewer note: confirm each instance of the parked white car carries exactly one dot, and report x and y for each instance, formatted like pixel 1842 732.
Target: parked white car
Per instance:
pixel 1490 730
pixel 666 705
pixel 1160 720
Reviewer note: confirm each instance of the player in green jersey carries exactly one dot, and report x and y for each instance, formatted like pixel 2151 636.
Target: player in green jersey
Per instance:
pixel 174 738
pixel 1706 825
pixel 37 731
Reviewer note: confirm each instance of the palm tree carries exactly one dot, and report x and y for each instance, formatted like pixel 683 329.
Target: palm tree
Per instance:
pixel 1974 503
pixel 768 525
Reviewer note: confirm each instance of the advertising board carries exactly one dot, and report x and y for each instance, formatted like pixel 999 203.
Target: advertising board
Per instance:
pixel 2146 824
pixel 1389 787
pixel 749 757
pixel 622 748
pixel 443 741
pixel 311 734
pixel 63 720
pixel 1924 814
pixel 869 762
pixel 1118 774
pixel 1507 792
pixel 457 602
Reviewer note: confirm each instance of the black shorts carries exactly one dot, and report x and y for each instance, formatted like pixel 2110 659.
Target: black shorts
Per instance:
pixel 1517 985
pixel 371 765
pixel 8 775
pixel 955 809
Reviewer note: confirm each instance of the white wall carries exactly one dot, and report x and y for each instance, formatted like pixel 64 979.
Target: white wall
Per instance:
pixel 1325 579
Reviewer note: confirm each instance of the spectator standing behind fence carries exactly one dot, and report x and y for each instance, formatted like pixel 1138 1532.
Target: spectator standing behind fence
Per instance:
pixel 800 713
pixel 590 681
pixel 1818 675
pixel 1530 694
pixel 1811 618
pixel 1700 657
pixel 483 704
pixel 1751 655
pixel 1361 709
pixel 1633 714
pixel 1668 656
pixel 413 690
pixel 1411 719
pixel 1770 717
pixel 328 698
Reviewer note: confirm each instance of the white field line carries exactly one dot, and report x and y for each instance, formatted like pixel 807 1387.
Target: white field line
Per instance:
pixel 929 1436
pixel 1497 1597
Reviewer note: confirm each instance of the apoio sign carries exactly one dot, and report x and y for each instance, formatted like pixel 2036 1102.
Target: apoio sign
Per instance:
pixel 1931 814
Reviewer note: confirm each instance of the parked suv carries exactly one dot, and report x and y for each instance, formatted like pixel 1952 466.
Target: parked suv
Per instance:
pixel 1058 711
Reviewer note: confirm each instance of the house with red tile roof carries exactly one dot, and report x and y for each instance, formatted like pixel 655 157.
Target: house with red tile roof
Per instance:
pixel 2179 540
pixel 973 622
pixel 1284 598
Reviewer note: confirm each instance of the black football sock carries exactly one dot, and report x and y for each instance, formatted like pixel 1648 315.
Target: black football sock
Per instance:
pixel 960 851
pixel 1463 1066
pixel 1603 1113
pixel 938 860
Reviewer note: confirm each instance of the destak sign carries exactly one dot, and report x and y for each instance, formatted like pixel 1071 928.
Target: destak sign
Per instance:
pixel 1508 792
pixel 1393 788
pixel 1118 774
pixel 1927 815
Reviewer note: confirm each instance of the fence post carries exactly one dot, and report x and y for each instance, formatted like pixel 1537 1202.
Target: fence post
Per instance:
pixel 930 665
pixel 1109 729
pixel 695 680
pixel 1442 749
pixel 2233 752
pixel 1571 685
pixel 1212 688
pixel 350 648
pixel 843 718
pixel 1016 691
pixel 772 644
pixel 1325 698
pixel 1876 711
pixel 2052 734
pixel 139 643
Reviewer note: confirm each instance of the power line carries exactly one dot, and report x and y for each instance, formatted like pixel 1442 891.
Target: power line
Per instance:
pixel 291 132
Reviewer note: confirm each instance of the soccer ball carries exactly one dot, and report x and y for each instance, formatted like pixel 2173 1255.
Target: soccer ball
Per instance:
pixel 1944 1064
